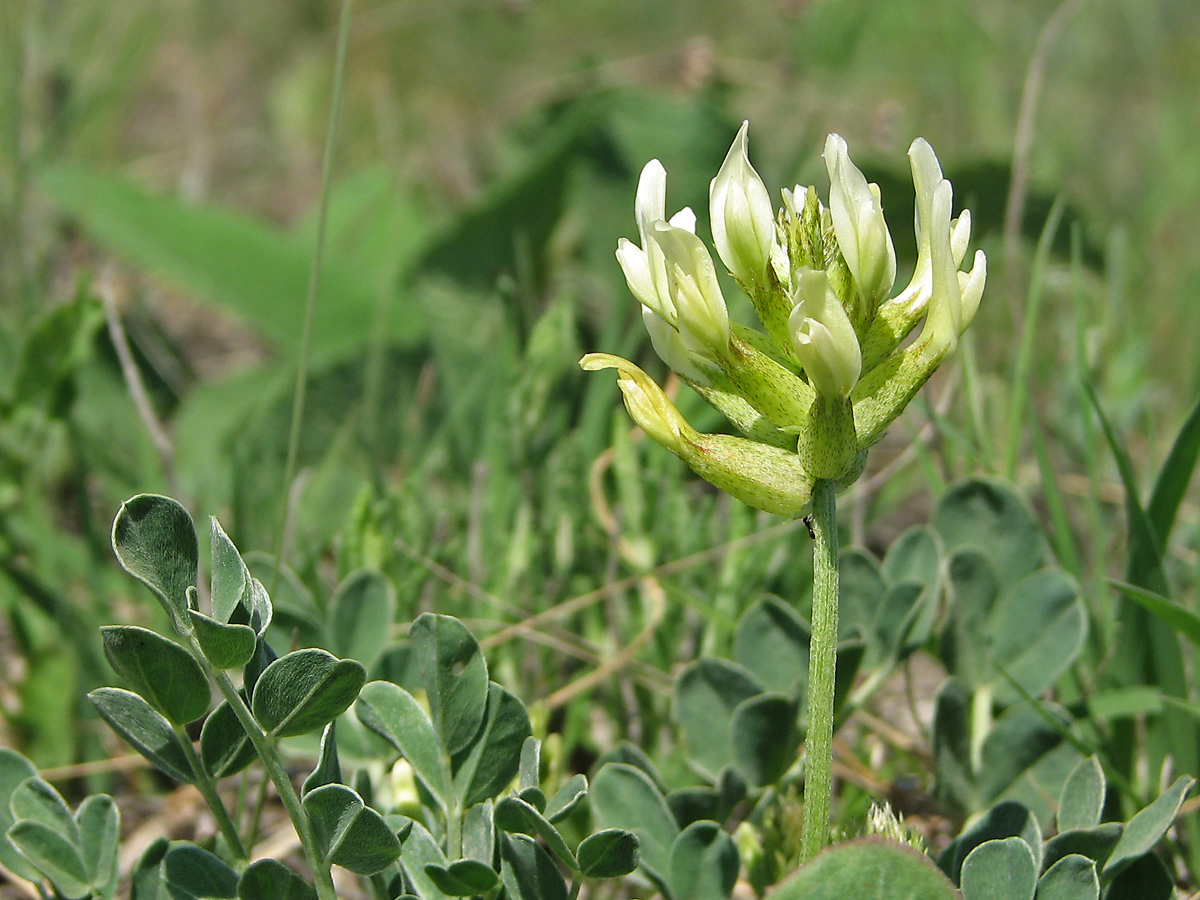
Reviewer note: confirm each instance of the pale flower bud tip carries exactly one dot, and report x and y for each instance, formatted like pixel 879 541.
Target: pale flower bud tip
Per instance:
pixel 858 223
pixel 741 213
pixel 594 362
pixel 823 337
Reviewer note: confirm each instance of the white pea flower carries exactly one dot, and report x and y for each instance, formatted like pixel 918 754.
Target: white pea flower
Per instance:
pixel 858 223
pixel 673 277
pixel 743 220
pixel 822 335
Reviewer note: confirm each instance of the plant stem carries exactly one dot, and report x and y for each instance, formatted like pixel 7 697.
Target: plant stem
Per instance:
pixel 314 281
pixel 265 747
pixel 454 813
pixel 208 790
pixel 822 666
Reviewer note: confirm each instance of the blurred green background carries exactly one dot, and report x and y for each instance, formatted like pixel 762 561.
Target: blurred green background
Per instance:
pixel 167 156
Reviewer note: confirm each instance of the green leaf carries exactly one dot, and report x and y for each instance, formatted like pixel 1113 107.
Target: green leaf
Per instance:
pixel 463 878
pixel 1150 655
pixel 1145 878
pixel 973 589
pixel 246 266
pixel 155 541
pixel 703 863
pixel 611 853
pixel 269 879
pixel 304 690
pixel 225 646
pixel 455 675
pixel 99 823
pixel 1071 878
pixel 158 669
pixel 871 868
pixel 860 586
pixel 988 515
pixel 765 737
pixel 955 780
pixel 1021 737
pixel 328 769
pixel 264 655
pixel 1000 870
pixel 225 749
pixel 1008 819
pixel 507 230
pixel 528 872
pixel 418 851
pixel 515 816
pixel 146 879
pixel 1036 632
pixel 347 832
pixel 623 796
pixel 36 800
pixel 1094 843
pixel 1028 630
pixel 566 798
pixel 479 833
pixel 772 641
pixel 14 769
pixel 903 621
pixel 195 874
pixel 1125 702
pixel 1082 800
pixel 54 347
pixel 529 773
pixel 360 616
pixel 914 556
pixel 707 691
pixel 1147 827
pixel 53 855
pixel 1182 620
pixel 394 714
pixel 144 729
pixel 633 755
pixel 485 767
pixel 1173 477
pixel 230 577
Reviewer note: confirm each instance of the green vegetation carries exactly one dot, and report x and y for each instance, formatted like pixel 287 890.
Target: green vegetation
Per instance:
pixel 1019 560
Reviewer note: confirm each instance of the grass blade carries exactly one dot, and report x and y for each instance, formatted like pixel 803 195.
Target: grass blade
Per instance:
pixel 1182 620
pixel 1174 476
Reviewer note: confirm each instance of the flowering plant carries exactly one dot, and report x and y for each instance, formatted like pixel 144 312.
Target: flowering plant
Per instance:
pixel 814 390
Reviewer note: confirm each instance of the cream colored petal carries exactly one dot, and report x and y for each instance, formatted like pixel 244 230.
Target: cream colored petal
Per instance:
pixel 650 204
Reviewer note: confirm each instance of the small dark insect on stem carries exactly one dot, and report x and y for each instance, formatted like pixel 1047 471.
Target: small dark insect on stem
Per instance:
pixel 808 523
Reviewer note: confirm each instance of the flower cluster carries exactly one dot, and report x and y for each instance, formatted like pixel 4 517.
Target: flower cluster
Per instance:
pixel 815 389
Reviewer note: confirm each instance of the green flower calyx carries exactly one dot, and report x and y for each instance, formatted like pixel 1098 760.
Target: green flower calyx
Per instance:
pixel 832 370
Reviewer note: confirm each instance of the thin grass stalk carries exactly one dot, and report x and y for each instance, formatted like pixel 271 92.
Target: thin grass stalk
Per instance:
pixel 1029 331
pixel 314 281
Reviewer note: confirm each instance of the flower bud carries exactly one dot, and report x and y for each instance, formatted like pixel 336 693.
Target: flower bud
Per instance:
pixel 948 315
pixel 686 280
pixel 822 335
pixel 898 316
pixel 648 406
pixel 763 476
pixel 650 206
pixel 743 221
pixel 858 223
pixel 671 268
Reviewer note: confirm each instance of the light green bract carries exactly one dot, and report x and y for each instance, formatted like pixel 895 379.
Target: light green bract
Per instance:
pixel 816 389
